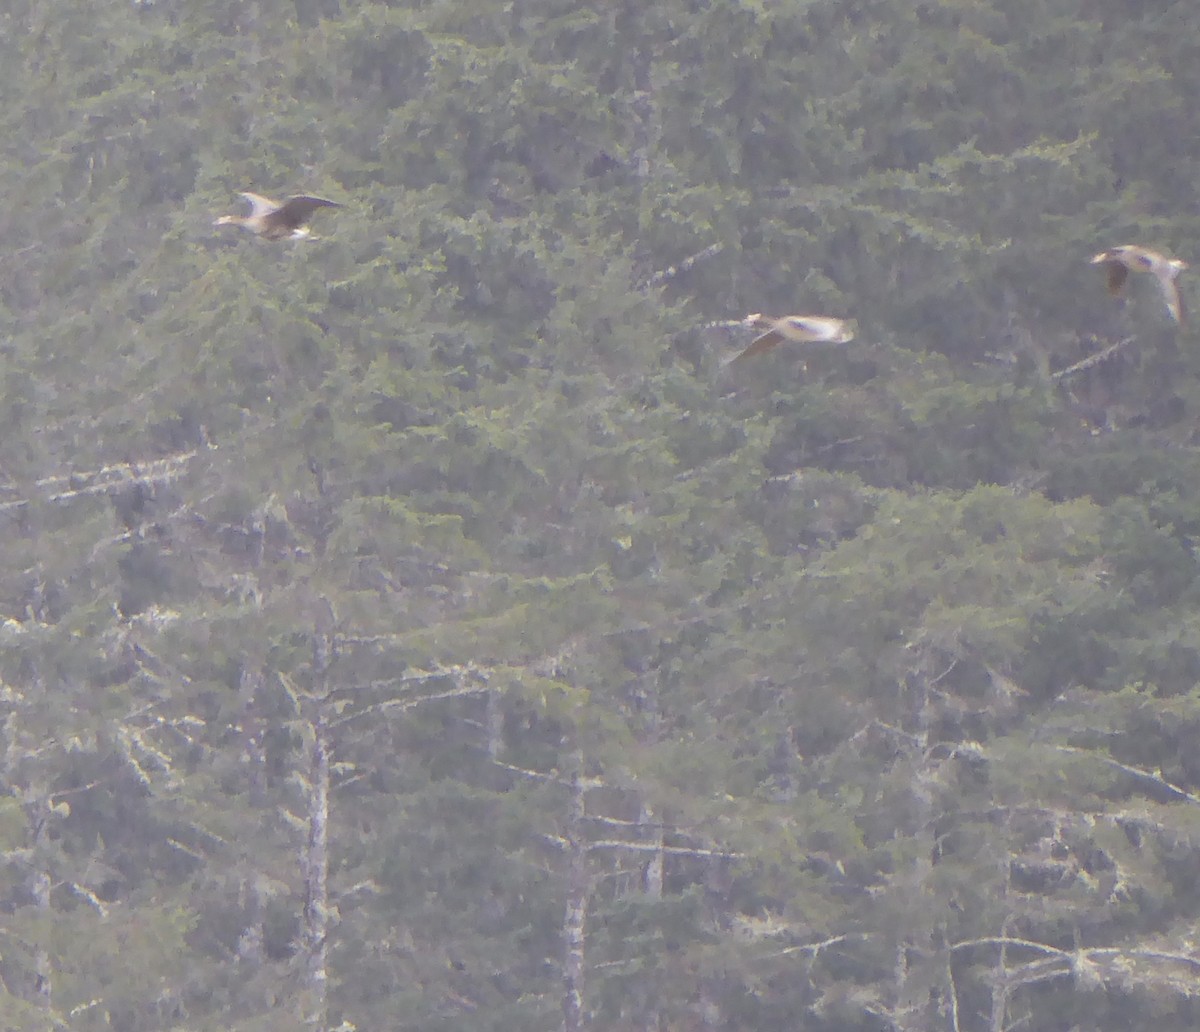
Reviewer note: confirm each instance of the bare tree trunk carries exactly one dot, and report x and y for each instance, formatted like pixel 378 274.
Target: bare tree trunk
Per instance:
pixel 250 947
pixel 1001 989
pixel 639 50
pixel 575 916
pixel 37 986
pixel 495 724
pixel 252 735
pixel 653 873
pixel 916 971
pixel 315 933
pixel 43 980
pixel 316 874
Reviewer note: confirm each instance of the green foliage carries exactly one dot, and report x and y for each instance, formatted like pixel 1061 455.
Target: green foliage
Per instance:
pixel 876 662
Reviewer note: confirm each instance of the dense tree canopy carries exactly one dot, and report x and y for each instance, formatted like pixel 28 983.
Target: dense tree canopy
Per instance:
pixel 423 627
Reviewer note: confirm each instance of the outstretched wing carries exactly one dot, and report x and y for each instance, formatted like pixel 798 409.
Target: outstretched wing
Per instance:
pixel 763 343
pixel 817 328
pixel 293 213
pixel 259 205
pixel 1117 274
pixel 1174 301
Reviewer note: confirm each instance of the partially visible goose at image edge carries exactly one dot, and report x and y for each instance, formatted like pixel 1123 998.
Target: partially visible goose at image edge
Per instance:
pixel 1121 260
pixel 801 328
pixel 273 220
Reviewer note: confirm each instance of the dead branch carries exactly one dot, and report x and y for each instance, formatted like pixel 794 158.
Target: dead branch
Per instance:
pixel 1153 776
pixel 1093 360
pixel 671 271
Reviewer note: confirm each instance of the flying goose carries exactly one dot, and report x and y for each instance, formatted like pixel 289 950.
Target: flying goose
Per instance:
pixel 794 327
pixel 1120 261
pixel 274 221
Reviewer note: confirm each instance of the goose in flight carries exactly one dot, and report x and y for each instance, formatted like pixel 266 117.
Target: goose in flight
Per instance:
pixel 274 221
pixel 1120 261
pixel 794 327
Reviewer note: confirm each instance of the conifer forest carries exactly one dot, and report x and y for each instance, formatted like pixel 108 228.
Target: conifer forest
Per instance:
pixel 427 625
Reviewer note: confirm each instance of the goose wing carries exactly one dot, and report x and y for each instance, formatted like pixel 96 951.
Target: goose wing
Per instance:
pixel 259 205
pixel 295 211
pixel 1118 273
pixel 1174 302
pixel 762 343
pixel 815 328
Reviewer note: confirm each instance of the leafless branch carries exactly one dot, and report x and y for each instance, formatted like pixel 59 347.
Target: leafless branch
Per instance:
pixel 403 705
pixel 655 847
pixel 1153 776
pixel 109 478
pixel 1008 940
pixel 671 271
pixel 1162 955
pixel 723 324
pixel 1093 360
pixel 816 947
